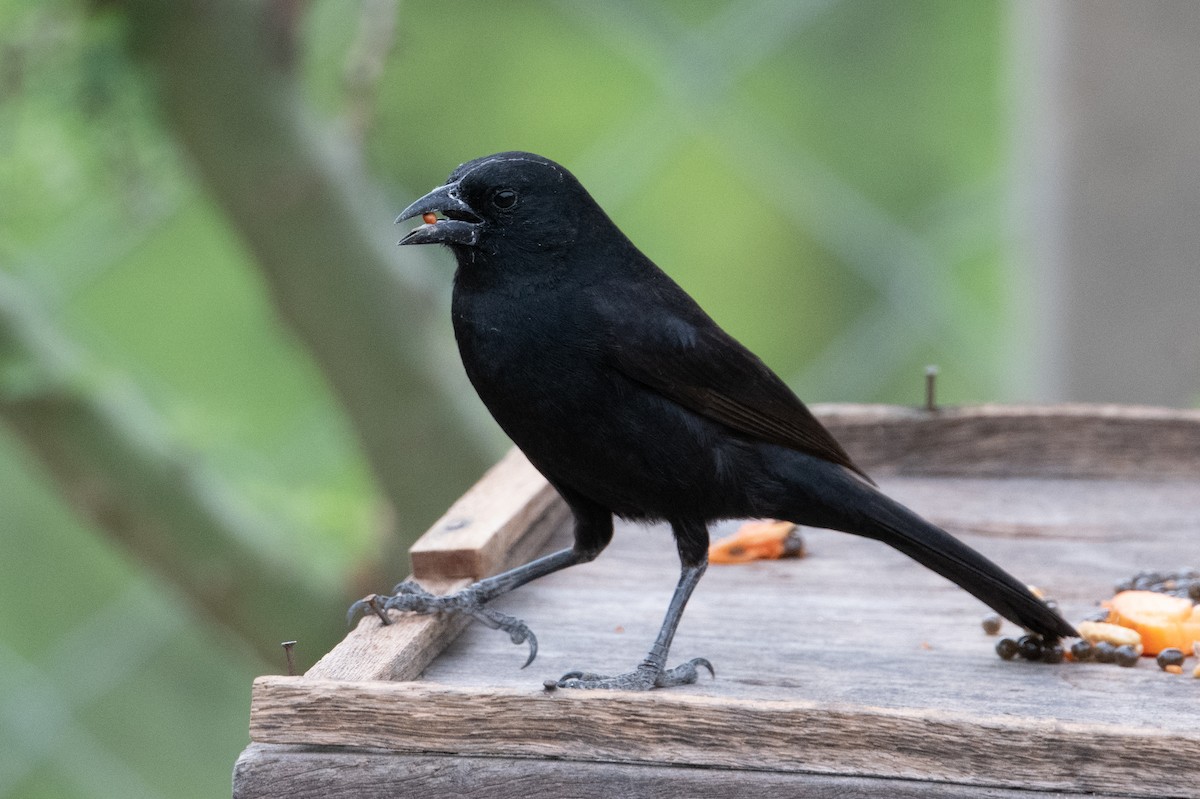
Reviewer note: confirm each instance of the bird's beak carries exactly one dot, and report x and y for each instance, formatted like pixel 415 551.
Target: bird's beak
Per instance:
pixel 461 224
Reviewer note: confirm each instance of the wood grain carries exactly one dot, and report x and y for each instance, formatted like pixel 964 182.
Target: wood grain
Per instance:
pixel 276 771
pixel 1019 440
pixel 688 728
pixel 398 651
pixel 502 521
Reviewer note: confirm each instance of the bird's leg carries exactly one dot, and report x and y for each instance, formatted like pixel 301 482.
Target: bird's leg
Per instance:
pixel 593 531
pixel 652 672
pixel 470 600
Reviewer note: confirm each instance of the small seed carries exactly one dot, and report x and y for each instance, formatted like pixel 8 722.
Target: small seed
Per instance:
pixel 991 624
pixel 429 219
pixel 1174 669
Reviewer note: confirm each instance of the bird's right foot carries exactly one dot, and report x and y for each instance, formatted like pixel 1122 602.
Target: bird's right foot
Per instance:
pixel 408 596
pixel 646 676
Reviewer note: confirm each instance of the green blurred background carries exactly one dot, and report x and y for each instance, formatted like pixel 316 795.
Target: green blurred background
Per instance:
pixel 829 179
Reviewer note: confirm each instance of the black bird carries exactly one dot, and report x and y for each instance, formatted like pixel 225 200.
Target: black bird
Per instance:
pixel 632 401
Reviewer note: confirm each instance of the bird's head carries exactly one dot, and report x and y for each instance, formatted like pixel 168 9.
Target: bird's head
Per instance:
pixel 508 200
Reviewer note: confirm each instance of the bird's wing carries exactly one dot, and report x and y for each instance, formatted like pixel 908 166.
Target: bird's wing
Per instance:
pixel 698 365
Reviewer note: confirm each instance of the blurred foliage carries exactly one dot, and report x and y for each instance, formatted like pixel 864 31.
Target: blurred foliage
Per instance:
pixel 901 101
pixel 709 131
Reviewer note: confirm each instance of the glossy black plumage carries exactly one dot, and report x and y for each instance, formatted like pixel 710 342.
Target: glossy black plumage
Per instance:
pixel 625 394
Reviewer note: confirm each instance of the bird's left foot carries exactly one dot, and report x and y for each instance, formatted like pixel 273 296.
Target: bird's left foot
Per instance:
pixel 643 678
pixel 408 596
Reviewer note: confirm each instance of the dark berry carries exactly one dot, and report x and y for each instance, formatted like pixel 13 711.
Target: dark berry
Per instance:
pixel 1030 647
pixel 1082 650
pixel 1104 652
pixel 991 624
pixel 1052 653
pixel 1007 648
pixel 1126 656
pixel 1169 657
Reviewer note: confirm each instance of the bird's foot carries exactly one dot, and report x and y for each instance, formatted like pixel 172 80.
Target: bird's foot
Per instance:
pixel 408 596
pixel 643 678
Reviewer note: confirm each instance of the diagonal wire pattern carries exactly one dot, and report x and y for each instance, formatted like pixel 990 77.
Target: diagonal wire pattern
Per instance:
pixel 40 701
pixel 695 70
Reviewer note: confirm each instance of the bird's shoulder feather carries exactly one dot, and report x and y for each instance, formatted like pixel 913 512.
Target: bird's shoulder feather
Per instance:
pixel 679 352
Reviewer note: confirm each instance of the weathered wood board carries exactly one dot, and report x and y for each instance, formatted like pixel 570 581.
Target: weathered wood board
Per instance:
pixel 274 771
pixel 846 673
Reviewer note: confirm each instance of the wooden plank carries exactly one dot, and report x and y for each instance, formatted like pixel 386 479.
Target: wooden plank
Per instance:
pixel 398 651
pixel 692 729
pixel 1034 441
pixel 274 771
pixel 499 523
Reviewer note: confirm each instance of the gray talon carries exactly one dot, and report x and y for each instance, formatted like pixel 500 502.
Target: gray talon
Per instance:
pixel 354 609
pixel 413 598
pixel 645 677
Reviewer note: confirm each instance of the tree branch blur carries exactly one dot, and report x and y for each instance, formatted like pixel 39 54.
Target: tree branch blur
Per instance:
pixel 301 201
pixel 105 448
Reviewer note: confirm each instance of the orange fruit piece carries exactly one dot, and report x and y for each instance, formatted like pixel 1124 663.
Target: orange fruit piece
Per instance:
pixel 1161 620
pixel 758 540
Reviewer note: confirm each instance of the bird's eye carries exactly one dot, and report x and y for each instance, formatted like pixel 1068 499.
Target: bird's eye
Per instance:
pixel 504 198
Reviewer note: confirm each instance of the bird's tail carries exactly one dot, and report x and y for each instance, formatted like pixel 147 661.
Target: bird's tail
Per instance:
pixel 872 514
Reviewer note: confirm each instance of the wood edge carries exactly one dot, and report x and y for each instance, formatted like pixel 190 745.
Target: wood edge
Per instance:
pixel 873 412
pixel 512 468
pixel 535 518
pixel 502 506
pixel 1064 440
pixel 663 729
pixel 682 703
pixel 301 771
pixel 399 651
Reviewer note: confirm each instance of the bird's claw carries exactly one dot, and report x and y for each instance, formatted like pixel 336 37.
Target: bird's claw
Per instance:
pixel 643 678
pixel 518 631
pixel 369 602
pixel 409 596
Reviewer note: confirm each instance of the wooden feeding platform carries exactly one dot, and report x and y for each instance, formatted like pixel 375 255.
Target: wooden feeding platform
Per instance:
pixel 850 672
